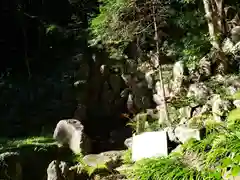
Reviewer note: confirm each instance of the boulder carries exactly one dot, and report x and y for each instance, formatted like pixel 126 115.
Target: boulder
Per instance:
pixel 153 114
pixel 205 67
pixel 128 142
pixel 171 135
pixel 59 171
pixel 237 103
pixel 162 115
pixel 69 132
pixel 198 90
pixel 220 107
pixel 228 176
pixel 149 144
pixel 109 159
pixel 227 46
pixel 184 133
pixel 149 78
pixel 235 34
pixel 178 76
pixel 10 166
pixel 185 112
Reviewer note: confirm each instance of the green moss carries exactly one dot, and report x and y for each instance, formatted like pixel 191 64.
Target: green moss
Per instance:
pixel 41 142
pixel 233 119
pixel 127 157
pixel 84 167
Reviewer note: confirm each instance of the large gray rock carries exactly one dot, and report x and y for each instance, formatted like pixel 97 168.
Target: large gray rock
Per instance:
pixel 128 142
pixel 184 133
pixel 171 134
pixel 228 176
pixel 198 90
pixel 205 67
pixel 109 159
pixel 149 144
pixel 227 46
pixel 10 167
pixel 59 170
pixel 69 132
pixel 149 77
pixel 237 103
pixel 185 112
pixel 178 76
pixel 220 107
pixel 235 34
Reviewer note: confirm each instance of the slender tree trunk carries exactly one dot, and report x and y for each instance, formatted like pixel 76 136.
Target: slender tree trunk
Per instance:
pixel 160 67
pixel 216 26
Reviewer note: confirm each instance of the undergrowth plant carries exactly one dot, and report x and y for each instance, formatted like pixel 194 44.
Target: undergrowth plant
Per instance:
pixel 170 168
pixel 218 153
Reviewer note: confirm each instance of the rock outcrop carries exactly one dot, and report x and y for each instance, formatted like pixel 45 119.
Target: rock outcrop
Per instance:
pixel 70 133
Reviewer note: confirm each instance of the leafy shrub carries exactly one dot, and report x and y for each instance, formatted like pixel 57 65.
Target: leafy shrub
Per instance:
pixel 233 119
pixel 168 169
pixel 127 157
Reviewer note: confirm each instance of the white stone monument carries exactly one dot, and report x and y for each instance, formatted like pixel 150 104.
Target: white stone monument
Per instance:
pixel 149 145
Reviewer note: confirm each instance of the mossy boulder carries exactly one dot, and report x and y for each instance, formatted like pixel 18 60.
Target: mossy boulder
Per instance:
pixel 110 159
pixel 34 155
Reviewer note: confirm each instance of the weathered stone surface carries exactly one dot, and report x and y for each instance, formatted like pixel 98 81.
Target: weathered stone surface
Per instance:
pixel 178 76
pixel 149 78
pixel 235 34
pixel 220 107
pixel 70 133
pixel 128 142
pixel 125 168
pixel 228 176
pixel 171 135
pixel 198 90
pixel 231 90
pixel 110 159
pixel 115 177
pixel 205 67
pixel 227 45
pixel 10 166
pixel 149 144
pixel 185 112
pixel 59 171
pixel 237 103
pixel 184 133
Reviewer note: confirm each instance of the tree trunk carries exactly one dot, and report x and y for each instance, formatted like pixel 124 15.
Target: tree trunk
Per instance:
pixel 216 26
pixel 160 67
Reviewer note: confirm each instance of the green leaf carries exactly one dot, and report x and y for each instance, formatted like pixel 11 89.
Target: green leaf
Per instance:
pixel 237 158
pixel 235 170
pixel 226 162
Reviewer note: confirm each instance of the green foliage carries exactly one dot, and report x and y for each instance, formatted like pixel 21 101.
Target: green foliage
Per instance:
pixel 167 169
pixel 217 154
pixel 233 119
pixel 236 96
pixel 121 22
pixel 51 28
pixel 39 143
pixel 182 101
pixel 84 167
pixel 217 88
pixel 127 157
pixel 192 43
